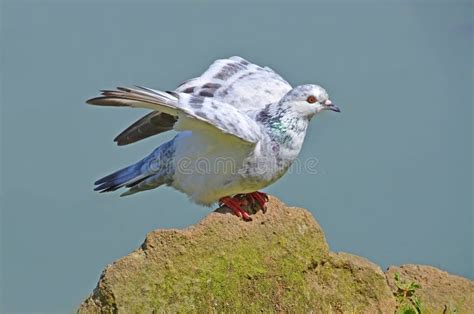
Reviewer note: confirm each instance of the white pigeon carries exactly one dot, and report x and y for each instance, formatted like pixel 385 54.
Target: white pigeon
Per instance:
pixel 240 126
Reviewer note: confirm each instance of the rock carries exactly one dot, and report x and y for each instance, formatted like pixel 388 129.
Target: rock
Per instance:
pixel 440 292
pixel 278 262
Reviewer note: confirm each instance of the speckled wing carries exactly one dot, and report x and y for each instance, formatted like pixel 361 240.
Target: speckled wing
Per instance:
pixel 234 81
pixel 196 113
pixel 238 82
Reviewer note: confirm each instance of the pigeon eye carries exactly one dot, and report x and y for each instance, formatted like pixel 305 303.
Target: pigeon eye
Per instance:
pixel 311 99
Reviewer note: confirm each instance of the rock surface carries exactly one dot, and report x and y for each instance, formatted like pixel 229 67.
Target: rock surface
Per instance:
pixel 440 292
pixel 279 262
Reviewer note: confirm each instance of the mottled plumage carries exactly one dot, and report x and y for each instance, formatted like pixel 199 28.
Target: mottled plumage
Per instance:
pixel 240 126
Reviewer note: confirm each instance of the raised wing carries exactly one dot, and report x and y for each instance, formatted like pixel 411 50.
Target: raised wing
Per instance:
pixel 234 81
pixel 239 83
pixel 196 113
pixel 153 123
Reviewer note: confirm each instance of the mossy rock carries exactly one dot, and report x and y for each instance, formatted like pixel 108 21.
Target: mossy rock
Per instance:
pixel 278 262
pixel 439 292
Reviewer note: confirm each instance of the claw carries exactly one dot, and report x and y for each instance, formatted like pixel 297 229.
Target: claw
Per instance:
pixel 259 197
pixel 235 205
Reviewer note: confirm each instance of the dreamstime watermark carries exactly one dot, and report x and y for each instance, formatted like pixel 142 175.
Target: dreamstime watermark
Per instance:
pixel 227 165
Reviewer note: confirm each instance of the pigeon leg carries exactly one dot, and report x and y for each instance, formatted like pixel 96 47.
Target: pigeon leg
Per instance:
pixel 261 198
pixel 235 205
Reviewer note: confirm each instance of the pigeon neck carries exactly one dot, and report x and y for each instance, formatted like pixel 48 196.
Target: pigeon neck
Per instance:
pixel 283 124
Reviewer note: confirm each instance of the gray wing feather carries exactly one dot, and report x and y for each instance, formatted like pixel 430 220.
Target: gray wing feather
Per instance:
pixel 193 112
pixel 153 123
pixel 224 117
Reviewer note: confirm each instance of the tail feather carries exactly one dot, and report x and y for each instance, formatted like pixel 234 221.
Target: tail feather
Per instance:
pixel 152 171
pixel 148 183
pixel 119 174
pixel 128 177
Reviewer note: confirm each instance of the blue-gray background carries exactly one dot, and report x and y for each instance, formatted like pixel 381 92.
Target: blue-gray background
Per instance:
pixel 394 178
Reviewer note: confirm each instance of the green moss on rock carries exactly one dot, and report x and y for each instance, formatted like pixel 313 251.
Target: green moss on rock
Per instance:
pixel 439 291
pixel 279 262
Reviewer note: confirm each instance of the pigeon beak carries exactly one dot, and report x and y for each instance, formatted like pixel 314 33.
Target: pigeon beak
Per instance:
pixel 330 106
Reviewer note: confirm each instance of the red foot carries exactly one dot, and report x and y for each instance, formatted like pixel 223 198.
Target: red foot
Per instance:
pixel 234 204
pixel 259 197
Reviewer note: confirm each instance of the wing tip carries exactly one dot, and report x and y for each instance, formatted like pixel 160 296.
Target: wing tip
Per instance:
pixel 122 139
pixel 121 142
pixel 91 101
pixel 104 101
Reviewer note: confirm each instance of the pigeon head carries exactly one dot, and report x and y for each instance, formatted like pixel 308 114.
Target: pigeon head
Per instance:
pixel 309 99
